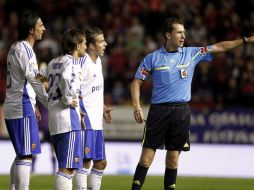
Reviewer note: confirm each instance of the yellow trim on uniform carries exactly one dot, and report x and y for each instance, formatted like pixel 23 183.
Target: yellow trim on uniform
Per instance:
pixel 144 136
pixel 194 57
pixel 183 65
pixel 161 68
pixel 186 145
pixel 173 186
pixel 137 182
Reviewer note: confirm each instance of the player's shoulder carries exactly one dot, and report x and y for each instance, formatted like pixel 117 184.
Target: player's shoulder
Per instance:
pixel 66 59
pixel 83 60
pixel 62 59
pixel 24 48
pixel 17 47
pixel 196 49
pixel 154 54
pixel 59 59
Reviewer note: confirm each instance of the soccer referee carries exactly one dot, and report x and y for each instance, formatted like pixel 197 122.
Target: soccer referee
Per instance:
pixel 171 68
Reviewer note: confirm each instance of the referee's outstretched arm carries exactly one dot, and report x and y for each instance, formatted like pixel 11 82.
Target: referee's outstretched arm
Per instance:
pixel 229 45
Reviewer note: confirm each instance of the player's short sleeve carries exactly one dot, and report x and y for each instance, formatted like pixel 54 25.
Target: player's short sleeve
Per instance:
pixel 29 67
pixel 144 69
pixel 201 54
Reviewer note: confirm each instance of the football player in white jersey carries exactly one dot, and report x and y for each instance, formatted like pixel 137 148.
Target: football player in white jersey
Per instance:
pixel 19 106
pixel 64 77
pixel 92 105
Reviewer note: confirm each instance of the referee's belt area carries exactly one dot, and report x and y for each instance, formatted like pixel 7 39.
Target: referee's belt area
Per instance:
pixel 173 103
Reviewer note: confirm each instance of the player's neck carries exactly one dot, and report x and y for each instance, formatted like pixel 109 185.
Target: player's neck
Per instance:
pixel 75 55
pixel 30 41
pixel 171 48
pixel 92 56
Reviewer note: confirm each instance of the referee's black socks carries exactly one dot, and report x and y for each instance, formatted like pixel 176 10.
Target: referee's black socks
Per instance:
pixel 139 177
pixel 170 179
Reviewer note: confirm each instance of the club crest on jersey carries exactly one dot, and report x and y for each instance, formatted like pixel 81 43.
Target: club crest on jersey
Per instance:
pixel 184 73
pixel 33 146
pixel 80 75
pixel 76 159
pixel 87 150
pixel 144 72
pixel 33 67
pixel 203 50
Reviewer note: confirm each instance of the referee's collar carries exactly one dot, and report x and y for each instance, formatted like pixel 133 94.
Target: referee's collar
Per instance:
pixel 163 50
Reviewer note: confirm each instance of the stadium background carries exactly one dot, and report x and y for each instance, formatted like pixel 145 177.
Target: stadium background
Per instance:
pixel 222 92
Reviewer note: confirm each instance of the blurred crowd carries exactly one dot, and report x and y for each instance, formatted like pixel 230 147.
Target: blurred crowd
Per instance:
pixel 132 29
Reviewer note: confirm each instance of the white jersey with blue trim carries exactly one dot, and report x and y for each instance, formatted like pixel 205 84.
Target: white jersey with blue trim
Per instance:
pixel 21 86
pixel 172 72
pixel 92 88
pixel 64 77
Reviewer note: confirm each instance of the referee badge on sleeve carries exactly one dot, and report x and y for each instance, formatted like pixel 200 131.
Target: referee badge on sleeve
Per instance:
pixel 184 73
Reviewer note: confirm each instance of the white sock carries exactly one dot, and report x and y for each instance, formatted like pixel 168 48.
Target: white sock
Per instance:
pixel 22 174
pixel 63 181
pixel 12 175
pixel 95 179
pixel 80 178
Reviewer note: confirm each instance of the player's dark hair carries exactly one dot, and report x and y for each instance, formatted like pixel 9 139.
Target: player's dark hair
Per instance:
pixel 26 23
pixel 91 34
pixel 71 38
pixel 168 24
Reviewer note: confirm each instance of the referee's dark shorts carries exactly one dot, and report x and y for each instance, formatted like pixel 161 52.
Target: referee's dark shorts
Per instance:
pixel 168 127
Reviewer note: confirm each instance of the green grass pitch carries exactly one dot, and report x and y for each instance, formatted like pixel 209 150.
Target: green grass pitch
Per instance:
pixel 151 183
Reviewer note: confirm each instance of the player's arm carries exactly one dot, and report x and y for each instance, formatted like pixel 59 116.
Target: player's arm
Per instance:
pixel 135 94
pixel 40 90
pixel 229 45
pixel 30 71
pixel 42 79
